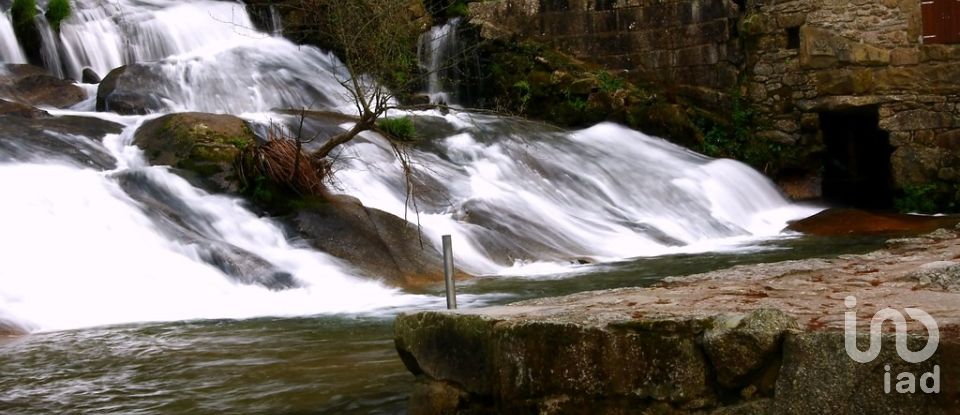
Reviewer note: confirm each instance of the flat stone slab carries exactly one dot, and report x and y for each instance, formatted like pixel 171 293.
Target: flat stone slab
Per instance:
pixel 765 338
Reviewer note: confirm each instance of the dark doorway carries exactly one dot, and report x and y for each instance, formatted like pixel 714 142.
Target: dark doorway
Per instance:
pixel 857 162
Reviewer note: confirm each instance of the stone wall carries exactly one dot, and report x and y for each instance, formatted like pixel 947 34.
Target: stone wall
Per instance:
pixel 848 54
pixel 683 43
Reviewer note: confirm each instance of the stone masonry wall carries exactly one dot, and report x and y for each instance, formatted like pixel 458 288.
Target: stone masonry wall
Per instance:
pixel 683 43
pixel 854 54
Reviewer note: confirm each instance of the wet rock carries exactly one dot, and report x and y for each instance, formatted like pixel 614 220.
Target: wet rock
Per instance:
pixel 10 328
pixel 30 134
pixel 205 145
pixel 740 346
pixel 89 76
pixel 131 90
pixel 860 222
pixel 20 110
pixel 181 222
pixel 246 267
pixel 818 377
pixel 758 339
pixel 518 365
pixel 435 398
pixel 378 243
pixel 939 274
pixel 33 86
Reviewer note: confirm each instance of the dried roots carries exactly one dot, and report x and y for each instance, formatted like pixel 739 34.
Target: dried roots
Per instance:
pixel 282 161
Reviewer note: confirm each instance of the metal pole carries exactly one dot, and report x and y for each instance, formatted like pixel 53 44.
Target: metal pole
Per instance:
pixel 448 273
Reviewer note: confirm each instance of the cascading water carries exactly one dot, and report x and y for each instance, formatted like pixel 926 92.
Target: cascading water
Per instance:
pixel 123 257
pixel 10 51
pixel 276 23
pixel 437 50
pixel 514 195
pixel 50 48
pixel 105 35
pixel 138 243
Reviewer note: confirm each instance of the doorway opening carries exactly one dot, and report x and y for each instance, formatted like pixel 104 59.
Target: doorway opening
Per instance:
pixel 857 169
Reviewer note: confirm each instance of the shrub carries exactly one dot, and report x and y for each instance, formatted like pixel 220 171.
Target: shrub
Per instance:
pixel 608 83
pixel 399 128
pixel 917 199
pixel 458 9
pixel 23 12
pixel 57 10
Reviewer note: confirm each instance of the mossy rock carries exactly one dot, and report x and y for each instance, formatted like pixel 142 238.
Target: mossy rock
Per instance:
pixel 204 145
pixel 538 82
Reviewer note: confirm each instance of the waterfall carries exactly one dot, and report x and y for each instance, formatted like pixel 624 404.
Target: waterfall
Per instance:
pixel 104 35
pixel 84 247
pixel 134 242
pixel 50 48
pixel 276 23
pixel 437 51
pixel 514 196
pixel 10 51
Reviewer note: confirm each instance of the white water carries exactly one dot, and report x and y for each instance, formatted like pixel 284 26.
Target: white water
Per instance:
pixel 83 247
pixel 436 51
pixel 78 251
pixel 604 193
pixel 10 51
pixel 50 48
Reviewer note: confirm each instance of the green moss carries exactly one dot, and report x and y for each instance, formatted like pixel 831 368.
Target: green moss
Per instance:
pixel 400 128
pixel 534 81
pixel 57 10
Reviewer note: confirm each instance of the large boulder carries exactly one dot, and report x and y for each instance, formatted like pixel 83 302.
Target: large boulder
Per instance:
pixel 201 145
pixel 31 85
pixel 377 243
pixel 130 90
pixel 89 76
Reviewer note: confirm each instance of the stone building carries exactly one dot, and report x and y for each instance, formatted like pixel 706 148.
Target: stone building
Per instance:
pixel 871 87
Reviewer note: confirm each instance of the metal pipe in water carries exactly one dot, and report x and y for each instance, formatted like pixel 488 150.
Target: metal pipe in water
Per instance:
pixel 448 273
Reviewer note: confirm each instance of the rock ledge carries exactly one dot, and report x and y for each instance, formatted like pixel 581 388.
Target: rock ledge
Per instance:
pixel 759 339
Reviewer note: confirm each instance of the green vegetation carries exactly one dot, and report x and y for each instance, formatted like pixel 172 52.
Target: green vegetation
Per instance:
pixel 400 128
pixel 458 8
pixel 735 136
pixel 23 12
pixel 57 10
pixel 609 83
pixel 919 198
pixel 732 139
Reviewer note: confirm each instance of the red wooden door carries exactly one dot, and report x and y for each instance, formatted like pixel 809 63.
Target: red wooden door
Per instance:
pixel 941 21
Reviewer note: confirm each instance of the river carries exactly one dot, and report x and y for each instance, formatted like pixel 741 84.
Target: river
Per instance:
pixel 115 266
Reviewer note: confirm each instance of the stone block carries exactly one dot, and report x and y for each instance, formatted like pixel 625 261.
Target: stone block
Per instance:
pixel 739 346
pixel 920 119
pixel 819 48
pixel 698 55
pixel 913 165
pixel 904 56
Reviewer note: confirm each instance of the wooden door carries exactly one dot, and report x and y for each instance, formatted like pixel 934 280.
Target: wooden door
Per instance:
pixel 941 21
